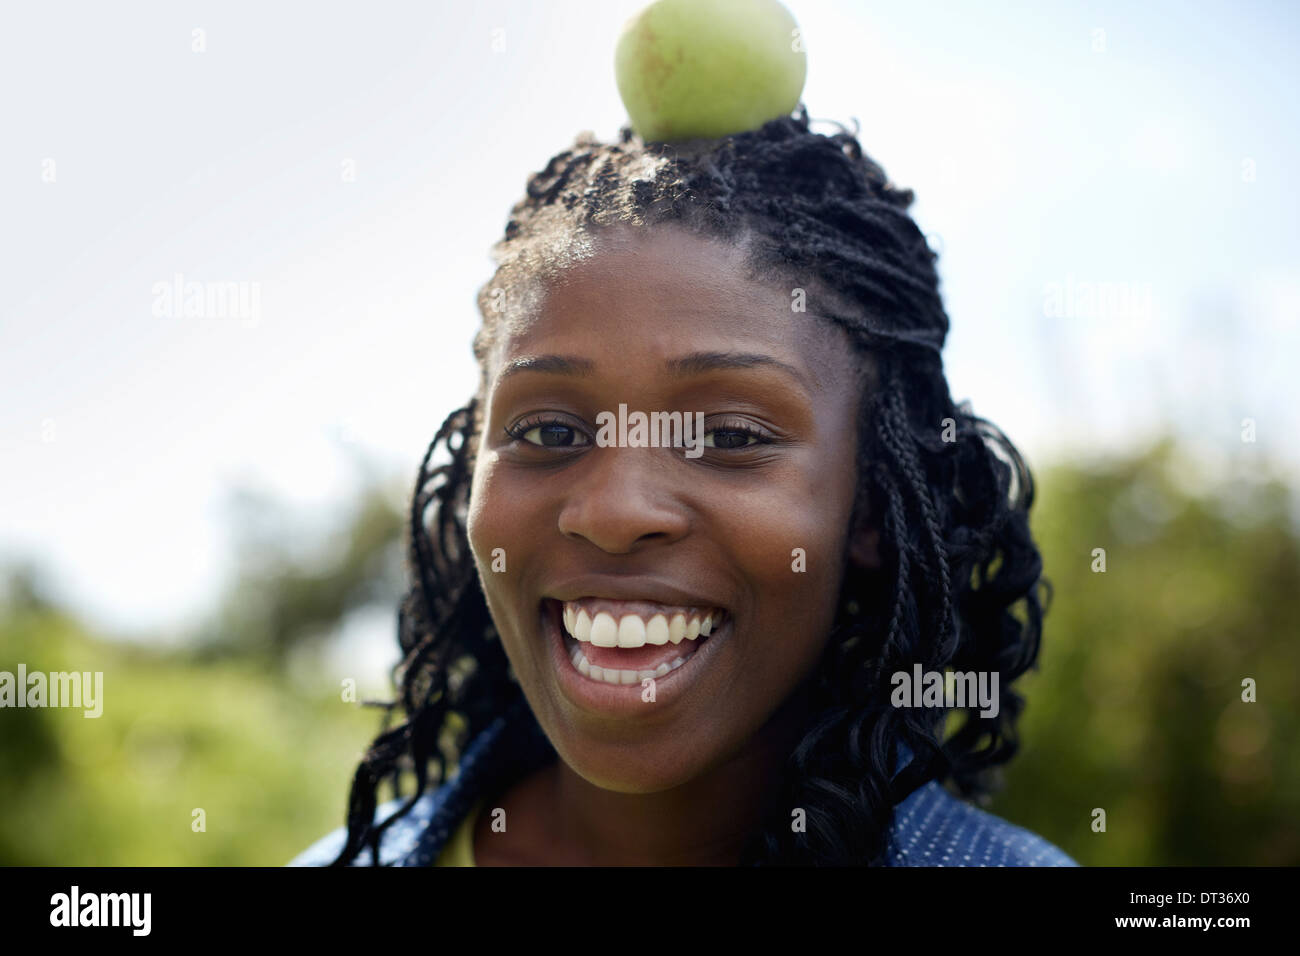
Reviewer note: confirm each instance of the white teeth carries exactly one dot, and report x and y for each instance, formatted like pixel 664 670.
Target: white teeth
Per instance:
pixel 656 631
pixel 604 632
pixel 631 630
pixel 610 675
pixel 677 629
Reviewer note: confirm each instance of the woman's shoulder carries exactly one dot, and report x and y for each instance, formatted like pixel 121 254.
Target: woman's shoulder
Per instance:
pixel 933 828
pixel 930 827
pixel 416 838
pixel 397 843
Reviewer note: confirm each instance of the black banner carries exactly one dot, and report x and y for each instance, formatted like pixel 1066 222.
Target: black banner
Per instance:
pixel 958 905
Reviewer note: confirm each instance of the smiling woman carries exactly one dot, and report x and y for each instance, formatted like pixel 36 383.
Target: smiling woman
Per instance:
pixel 660 658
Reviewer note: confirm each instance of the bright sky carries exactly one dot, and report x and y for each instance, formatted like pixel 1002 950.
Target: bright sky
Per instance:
pixel 1113 186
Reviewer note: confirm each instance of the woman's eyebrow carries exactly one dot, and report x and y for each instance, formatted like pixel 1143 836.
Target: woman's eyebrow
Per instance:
pixel 696 363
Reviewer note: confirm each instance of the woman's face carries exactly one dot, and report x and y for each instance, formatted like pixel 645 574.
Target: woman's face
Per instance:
pixel 663 321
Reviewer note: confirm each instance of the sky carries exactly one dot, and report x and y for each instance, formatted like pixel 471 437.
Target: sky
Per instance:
pixel 1111 187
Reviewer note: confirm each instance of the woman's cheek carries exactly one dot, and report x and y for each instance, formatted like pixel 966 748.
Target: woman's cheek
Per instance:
pixel 787 542
pixel 483 514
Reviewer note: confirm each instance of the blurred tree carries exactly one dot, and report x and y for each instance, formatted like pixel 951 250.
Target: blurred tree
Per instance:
pixel 25 586
pixel 267 763
pixel 295 585
pixel 1137 708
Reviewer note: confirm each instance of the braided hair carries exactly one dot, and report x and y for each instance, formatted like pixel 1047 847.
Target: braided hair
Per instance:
pixel 959 575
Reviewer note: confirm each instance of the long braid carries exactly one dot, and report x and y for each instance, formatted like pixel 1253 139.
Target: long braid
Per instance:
pixel 899 444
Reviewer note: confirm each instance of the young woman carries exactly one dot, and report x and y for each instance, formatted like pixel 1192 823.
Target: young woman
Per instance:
pixel 700 651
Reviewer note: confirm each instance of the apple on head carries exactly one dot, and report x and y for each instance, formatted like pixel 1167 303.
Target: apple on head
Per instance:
pixel 689 69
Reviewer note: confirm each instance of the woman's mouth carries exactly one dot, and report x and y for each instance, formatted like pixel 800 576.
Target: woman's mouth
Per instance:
pixel 612 642
pixel 626 642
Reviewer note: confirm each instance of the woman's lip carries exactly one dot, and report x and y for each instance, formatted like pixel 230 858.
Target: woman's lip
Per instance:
pixel 623 700
pixel 638 588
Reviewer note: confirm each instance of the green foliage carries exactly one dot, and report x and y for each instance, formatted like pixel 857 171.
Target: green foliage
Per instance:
pixel 268 764
pixel 1137 706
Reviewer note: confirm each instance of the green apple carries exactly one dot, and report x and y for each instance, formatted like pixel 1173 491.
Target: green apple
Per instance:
pixel 706 68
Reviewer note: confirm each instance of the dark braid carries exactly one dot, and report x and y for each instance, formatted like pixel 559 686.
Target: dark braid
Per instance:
pixel 957 556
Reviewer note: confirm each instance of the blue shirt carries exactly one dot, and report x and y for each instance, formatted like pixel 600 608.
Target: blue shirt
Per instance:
pixel 930 826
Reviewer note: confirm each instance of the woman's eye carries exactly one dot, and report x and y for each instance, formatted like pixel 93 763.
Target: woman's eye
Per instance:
pixel 731 438
pixel 548 434
pixel 552 433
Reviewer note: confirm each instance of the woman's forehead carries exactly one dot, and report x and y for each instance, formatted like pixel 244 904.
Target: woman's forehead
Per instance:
pixel 670 290
pixel 627 309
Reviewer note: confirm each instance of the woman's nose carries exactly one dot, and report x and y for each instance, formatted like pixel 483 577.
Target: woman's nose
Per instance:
pixel 621 497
